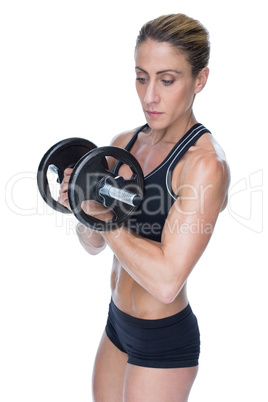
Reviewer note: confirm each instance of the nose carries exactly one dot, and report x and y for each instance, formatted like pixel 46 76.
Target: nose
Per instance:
pixel 151 94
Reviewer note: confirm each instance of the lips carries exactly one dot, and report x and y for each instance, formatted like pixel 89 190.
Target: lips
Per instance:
pixel 153 113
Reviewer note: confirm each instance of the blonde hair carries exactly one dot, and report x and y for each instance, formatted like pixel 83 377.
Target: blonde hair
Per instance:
pixel 187 35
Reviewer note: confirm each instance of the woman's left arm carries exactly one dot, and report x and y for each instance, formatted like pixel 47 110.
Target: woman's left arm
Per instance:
pixel 162 268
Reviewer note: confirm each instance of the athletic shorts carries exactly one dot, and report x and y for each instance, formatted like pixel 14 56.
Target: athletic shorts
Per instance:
pixel 170 342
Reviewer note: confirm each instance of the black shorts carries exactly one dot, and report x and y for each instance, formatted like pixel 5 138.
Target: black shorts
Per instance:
pixel 170 342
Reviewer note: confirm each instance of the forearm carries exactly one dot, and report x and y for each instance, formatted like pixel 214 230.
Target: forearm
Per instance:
pixel 92 241
pixel 146 262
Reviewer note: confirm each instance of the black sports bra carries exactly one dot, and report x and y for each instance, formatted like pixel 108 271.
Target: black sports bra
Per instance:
pixel 149 219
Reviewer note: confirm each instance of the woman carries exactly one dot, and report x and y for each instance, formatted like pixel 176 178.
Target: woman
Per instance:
pixel 150 348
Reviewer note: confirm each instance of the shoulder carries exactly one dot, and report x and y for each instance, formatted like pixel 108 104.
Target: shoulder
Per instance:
pixel 206 158
pixel 205 167
pixel 122 139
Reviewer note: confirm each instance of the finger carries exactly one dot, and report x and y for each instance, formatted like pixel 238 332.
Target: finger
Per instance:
pixel 66 179
pixel 68 171
pixel 63 199
pixel 63 188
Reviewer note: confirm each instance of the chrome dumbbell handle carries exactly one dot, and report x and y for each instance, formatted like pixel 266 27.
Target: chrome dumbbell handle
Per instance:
pixel 110 192
pixel 118 194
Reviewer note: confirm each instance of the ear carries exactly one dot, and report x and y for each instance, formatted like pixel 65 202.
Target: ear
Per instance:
pixel 201 80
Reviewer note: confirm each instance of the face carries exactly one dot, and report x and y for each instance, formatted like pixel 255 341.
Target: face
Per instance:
pixel 165 84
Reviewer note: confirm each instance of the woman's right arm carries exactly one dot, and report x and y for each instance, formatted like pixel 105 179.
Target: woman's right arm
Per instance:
pixel 91 240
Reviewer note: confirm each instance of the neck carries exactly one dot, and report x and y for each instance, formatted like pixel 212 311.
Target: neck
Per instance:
pixel 174 132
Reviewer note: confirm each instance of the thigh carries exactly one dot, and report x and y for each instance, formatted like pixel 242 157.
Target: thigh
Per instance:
pixel 144 384
pixel 109 370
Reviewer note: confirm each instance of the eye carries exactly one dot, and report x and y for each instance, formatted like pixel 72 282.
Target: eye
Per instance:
pixel 141 80
pixel 167 82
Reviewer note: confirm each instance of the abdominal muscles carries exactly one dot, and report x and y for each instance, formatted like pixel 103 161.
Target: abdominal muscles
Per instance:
pixel 134 300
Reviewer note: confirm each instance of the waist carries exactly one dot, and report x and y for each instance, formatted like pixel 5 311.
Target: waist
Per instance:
pixel 133 299
pixel 152 323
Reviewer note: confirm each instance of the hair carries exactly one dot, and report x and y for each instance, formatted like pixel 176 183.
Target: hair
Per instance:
pixel 185 34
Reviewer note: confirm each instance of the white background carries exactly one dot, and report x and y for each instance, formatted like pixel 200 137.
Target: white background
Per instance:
pixel 67 69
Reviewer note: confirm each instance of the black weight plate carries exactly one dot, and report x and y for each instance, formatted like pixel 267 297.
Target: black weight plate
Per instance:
pixel 65 153
pixel 84 185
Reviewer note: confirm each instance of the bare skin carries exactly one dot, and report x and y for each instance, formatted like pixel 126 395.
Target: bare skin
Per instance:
pixel 148 278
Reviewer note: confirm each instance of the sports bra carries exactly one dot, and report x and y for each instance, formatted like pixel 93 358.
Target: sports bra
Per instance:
pixel 149 218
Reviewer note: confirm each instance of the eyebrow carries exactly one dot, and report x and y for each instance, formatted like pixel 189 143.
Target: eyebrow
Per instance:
pixel 160 72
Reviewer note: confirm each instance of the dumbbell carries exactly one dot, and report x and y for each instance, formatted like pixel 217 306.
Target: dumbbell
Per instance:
pixel 92 180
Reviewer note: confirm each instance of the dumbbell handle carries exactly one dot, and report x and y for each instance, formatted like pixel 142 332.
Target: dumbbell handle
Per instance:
pixel 110 193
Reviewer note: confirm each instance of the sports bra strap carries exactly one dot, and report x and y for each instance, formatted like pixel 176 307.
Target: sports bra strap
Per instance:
pixel 177 152
pixel 134 137
pixel 188 140
pixel 128 147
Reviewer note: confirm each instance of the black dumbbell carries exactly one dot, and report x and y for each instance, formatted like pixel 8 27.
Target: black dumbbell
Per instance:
pixel 92 180
pixel 64 154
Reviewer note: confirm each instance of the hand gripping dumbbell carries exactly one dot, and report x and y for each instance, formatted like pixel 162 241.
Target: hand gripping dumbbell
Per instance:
pixel 91 180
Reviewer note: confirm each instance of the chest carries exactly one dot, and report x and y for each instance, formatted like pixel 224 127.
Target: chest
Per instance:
pixel 149 157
